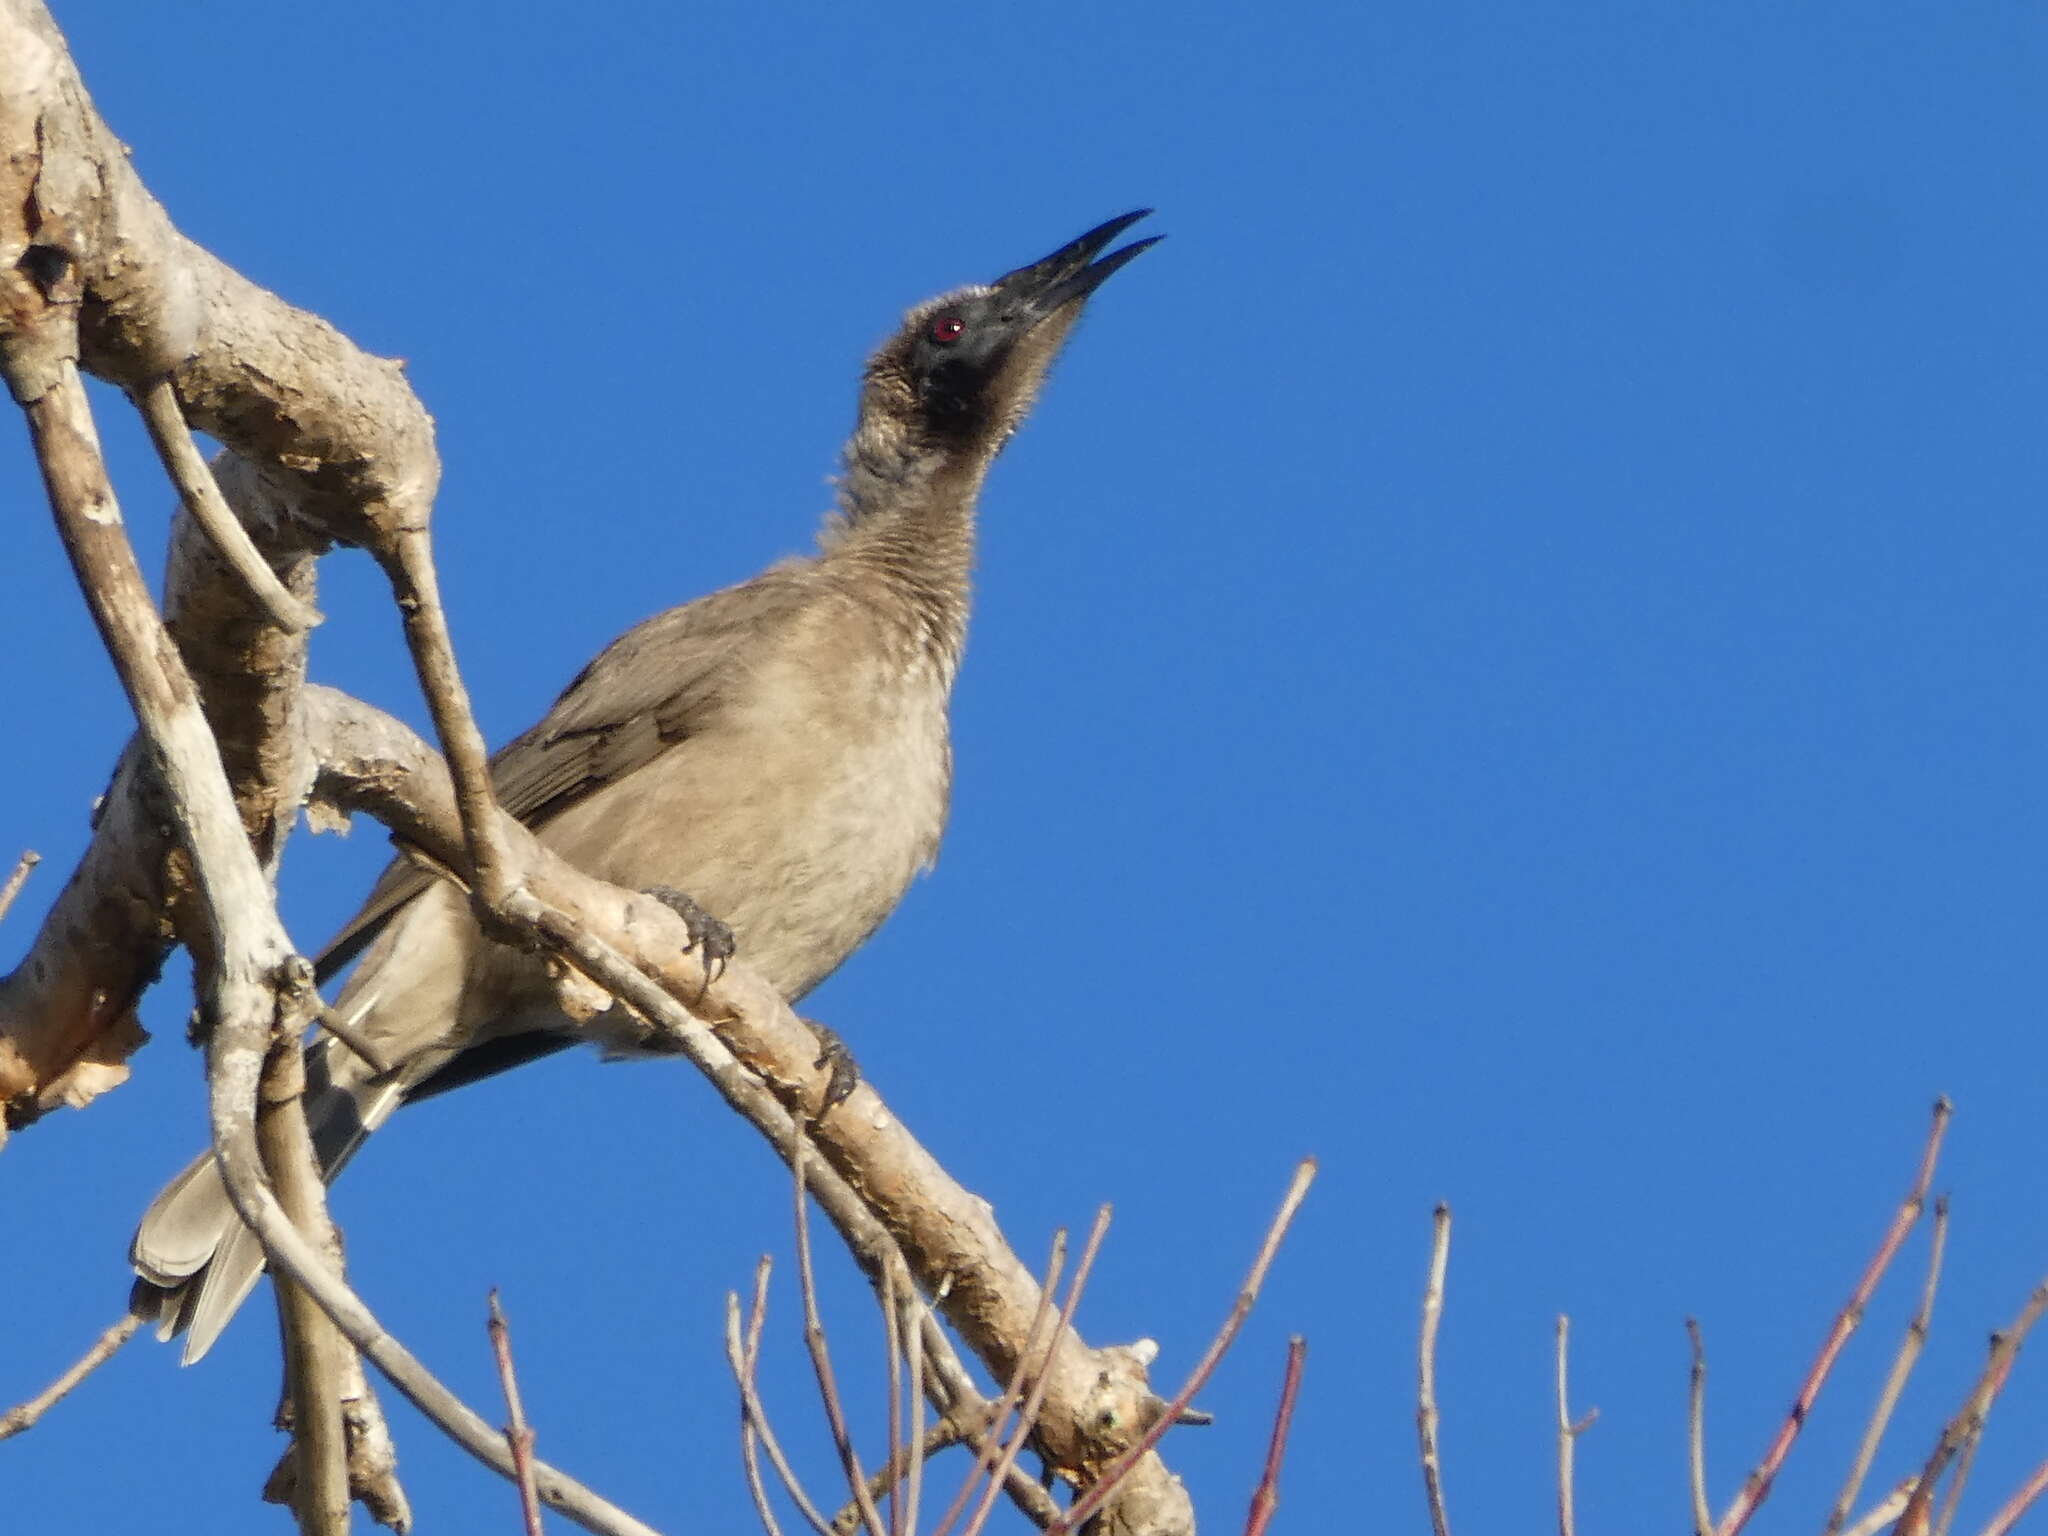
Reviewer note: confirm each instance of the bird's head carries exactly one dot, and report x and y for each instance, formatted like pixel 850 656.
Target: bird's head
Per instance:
pixel 964 368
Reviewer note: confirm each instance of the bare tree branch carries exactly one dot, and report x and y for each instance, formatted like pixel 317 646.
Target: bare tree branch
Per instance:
pixel 1425 1410
pixel 518 1433
pixel 15 881
pixel 1969 1422
pixel 23 1416
pixel 1895 1380
pixel 313 1349
pixel 1696 1432
pixel 1568 1432
pixel 1758 1485
pixel 157 400
pixel 1094 1497
pixel 1266 1497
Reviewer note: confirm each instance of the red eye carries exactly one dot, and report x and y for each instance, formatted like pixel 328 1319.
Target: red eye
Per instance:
pixel 947 328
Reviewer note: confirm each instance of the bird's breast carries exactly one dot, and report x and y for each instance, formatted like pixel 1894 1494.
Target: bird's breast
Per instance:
pixel 799 818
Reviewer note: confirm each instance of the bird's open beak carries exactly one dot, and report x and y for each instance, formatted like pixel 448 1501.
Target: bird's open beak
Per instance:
pixel 1071 273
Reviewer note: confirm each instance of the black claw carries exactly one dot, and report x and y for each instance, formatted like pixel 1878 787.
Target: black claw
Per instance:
pixel 832 1052
pixel 707 934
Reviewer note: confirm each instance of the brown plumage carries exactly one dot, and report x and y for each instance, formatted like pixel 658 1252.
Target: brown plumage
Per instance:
pixel 777 750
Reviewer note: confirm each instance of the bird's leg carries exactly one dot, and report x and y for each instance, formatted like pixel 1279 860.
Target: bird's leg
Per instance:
pixel 707 933
pixel 832 1052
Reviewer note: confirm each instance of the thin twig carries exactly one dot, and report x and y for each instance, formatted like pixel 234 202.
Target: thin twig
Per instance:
pixel 1266 1497
pixel 408 563
pixel 892 1344
pixel 28 861
pixel 1965 1462
pixel 744 1358
pixel 1568 1433
pixel 747 1365
pixel 1757 1487
pixel 2009 1512
pixel 1093 1498
pixel 989 1446
pixel 1027 1415
pixel 1696 1432
pixel 1895 1380
pixel 914 1483
pixel 821 1354
pixel 165 419
pixel 1969 1422
pixel 518 1433
pixel 23 1416
pixel 1426 1419
pixel 344 1030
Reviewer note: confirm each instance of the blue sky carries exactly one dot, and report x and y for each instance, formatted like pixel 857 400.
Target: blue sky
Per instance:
pixel 1510 657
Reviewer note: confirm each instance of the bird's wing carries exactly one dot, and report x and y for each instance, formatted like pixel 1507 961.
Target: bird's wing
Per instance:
pixel 649 689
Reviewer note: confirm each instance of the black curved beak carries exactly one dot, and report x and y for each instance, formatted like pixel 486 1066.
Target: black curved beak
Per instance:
pixel 1071 273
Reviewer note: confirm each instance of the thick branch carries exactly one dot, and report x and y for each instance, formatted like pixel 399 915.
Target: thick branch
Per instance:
pixel 330 444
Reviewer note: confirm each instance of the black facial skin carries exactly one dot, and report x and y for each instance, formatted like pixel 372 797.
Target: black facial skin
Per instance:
pixel 953 374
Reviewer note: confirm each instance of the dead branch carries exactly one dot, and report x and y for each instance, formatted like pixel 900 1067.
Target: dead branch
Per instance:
pixel 15 881
pixel 23 1416
pixel 331 444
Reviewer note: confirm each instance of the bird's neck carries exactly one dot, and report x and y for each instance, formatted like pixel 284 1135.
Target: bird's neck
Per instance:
pixel 904 531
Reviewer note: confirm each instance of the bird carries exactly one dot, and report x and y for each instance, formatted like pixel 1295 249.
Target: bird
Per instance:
pixel 774 759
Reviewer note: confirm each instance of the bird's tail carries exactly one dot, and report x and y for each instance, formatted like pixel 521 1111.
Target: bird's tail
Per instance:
pixel 198 1262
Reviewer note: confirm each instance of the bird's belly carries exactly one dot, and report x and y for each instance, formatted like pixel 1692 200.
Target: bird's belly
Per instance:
pixel 803 851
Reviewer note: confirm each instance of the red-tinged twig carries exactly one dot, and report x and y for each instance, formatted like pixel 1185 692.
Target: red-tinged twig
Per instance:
pixel 893 1345
pixel 1696 1432
pixel 989 1447
pixel 2010 1511
pixel 1426 1418
pixel 1969 1423
pixel 1568 1432
pixel 158 404
pixel 1027 1416
pixel 1266 1497
pixel 1092 1500
pixel 1895 1382
pixel 744 1359
pixel 28 861
pixel 24 1415
pixel 518 1433
pixel 821 1354
pixel 1757 1487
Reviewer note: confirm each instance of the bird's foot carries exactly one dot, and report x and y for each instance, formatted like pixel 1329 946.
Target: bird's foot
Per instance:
pixel 845 1074
pixel 707 934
